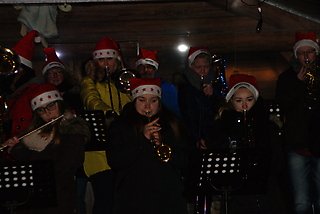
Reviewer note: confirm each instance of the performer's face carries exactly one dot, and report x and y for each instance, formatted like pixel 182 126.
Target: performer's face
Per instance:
pixel 49 112
pixel 109 62
pixel 201 65
pixel 147 71
pixel 306 54
pixel 147 104
pixel 55 76
pixel 242 99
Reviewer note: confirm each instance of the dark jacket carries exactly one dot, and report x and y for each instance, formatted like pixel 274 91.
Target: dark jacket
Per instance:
pixel 301 113
pixel 197 109
pixel 66 157
pixel 143 183
pixel 247 135
pixel 249 130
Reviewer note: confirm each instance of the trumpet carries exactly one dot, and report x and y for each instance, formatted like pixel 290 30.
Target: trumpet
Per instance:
pixel 123 80
pixel 163 151
pixel 312 77
pixel 3 146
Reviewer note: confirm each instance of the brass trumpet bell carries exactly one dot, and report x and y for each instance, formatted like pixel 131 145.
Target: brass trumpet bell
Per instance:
pixel 123 80
pixel 164 152
pixel 9 61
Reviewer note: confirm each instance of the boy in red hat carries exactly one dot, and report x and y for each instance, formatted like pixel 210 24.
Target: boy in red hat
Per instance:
pixel 53 68
pixel 147 63
pixel 55 72
pixel 298 93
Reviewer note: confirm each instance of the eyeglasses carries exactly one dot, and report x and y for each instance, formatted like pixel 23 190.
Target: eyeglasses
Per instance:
pixel 50 107
pixel 307 52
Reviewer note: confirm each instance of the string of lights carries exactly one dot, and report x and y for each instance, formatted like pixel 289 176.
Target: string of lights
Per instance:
pixel 258 4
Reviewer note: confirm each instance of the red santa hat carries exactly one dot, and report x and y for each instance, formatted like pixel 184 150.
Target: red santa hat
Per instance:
pixel 148 57
pixel 52 60
pixel 194 52
pixel 106 48
pixel 43 94
pixel 33 96
pixel 141 86
pixel 237 81
pixel 25 47
pixel 306 39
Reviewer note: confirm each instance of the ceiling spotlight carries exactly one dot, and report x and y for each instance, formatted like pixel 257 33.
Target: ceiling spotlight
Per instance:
pixel 182 47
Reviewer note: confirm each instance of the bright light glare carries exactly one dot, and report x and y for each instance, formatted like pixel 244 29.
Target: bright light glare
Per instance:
pixel 58 54
pixel 182 47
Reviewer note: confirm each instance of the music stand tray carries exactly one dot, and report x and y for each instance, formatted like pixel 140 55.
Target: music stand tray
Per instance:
pixel 97 125
pixel 28 184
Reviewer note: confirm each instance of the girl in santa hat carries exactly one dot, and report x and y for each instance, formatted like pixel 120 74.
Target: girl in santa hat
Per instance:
pixel 243 110
pixel 61 142
pixel 242 126
pixel 147 181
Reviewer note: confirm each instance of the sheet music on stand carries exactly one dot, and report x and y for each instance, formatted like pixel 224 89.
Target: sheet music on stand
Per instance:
pixel 96 120
pixel 28 184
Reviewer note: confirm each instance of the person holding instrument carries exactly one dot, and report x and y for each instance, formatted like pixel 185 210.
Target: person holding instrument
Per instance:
pixel 298 93
pixel 95 91
pixel 61 142
pixel 243 127
pixel 147 154
pixel 243 117
pixel 198 104
pixel 197 99
pixel 99 92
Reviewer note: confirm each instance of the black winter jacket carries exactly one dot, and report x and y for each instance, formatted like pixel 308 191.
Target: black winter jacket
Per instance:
pixel 301 113
pixel 143 183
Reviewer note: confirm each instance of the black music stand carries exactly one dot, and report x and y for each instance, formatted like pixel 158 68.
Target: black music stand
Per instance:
pixel 223 172
pixel 27 184
pixel 97 124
